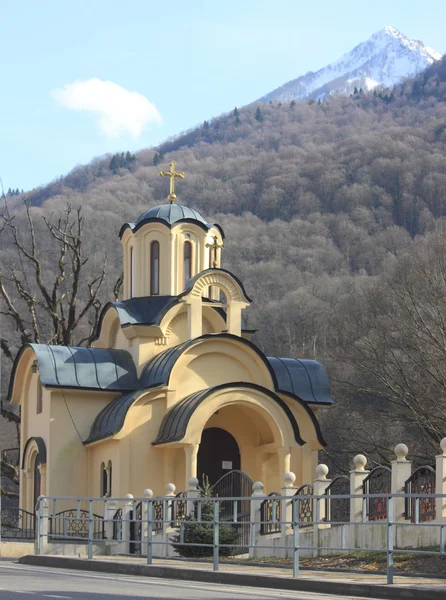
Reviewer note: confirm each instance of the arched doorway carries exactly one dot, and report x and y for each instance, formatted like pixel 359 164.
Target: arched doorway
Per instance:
pixel 218 454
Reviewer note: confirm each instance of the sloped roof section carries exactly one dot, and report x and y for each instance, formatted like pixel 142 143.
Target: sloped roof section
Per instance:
pixel 306 379
pixel 147 310
pixel 169 214
pixel 111 418
pixel 85 368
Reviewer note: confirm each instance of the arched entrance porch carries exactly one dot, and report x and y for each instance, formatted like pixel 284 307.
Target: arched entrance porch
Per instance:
pixel 262 426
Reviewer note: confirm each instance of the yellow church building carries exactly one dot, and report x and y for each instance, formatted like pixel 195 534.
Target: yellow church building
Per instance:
pixel 172 387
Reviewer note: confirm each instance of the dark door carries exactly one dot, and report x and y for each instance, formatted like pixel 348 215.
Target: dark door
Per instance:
pixel 218 454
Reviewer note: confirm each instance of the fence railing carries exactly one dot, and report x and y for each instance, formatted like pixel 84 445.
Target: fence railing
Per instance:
pixel 270 515
pixel 17 524
pixel 83 524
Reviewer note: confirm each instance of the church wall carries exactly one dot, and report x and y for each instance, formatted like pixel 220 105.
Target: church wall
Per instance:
pixel 33 424
pixel 215 363
pixel 68 457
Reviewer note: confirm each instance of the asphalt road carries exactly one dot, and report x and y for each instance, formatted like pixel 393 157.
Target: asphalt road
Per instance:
pixel 18 581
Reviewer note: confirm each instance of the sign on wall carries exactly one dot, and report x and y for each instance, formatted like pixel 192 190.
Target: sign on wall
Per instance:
pixel 226 464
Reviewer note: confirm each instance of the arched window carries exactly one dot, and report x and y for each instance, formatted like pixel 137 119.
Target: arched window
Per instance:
pixel 104 481
pixel 154 269
pixel 132 273
pixel 110 473
pixel 187 259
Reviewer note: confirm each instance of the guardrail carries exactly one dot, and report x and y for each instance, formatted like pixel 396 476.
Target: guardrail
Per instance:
pixel 151 515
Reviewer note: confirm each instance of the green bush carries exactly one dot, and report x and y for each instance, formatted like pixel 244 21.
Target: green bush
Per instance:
pixel 203 533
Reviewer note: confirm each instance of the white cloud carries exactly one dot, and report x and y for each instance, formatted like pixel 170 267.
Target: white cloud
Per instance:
pixel 119 111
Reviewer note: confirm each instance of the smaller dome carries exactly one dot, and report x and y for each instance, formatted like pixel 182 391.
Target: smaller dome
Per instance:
pixel 171 213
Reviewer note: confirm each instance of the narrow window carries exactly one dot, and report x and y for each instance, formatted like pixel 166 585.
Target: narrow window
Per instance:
pixel 187 257
pixel 154 269
pixel 104 486
pixel 132 273
pixel 110 472
pixel 39 397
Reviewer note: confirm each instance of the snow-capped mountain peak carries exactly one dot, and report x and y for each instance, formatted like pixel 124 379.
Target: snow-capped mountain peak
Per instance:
pixel 385 59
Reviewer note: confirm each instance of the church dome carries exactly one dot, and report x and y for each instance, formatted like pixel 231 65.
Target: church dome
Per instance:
pixel 169 214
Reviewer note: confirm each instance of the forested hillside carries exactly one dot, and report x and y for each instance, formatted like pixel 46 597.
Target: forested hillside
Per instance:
pixel 326 207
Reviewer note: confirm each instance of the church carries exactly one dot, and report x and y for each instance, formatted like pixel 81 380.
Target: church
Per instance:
pixel 172 386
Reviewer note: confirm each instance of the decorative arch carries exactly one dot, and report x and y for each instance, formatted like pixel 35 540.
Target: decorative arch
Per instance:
pixel 224 280
pixel 34 445
pixel 186 420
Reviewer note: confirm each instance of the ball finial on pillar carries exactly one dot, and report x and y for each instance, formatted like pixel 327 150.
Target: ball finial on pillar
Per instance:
pixel 443 446
pixel 321 472
pixel 170 489
pixel 257 488
pixel 289 479
pixel 192 482
pixel 148 493
pixel 360 462
pixel 401 451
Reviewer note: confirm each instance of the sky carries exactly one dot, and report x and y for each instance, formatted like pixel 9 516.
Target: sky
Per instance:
pixel 87 78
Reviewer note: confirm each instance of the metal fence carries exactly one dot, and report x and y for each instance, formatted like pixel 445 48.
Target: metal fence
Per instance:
pixel 146 514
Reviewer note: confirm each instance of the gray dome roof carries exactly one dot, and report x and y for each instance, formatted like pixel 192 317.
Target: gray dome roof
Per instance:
pixel 169 214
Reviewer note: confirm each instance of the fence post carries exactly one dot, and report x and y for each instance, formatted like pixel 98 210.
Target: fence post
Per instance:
pixel 145 520
pixel 192 493
pixel 111 506
pixel 257 497
pixel 42 526
pixel 320 484
pixel 167 513
pixel 357 476
pixel 127 511
pixel 90 529
pixel 440 487
pixel 286 508
pixel 401 471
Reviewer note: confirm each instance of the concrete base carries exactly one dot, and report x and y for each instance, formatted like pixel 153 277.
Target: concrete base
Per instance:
pixel 326 585
pixel 15 549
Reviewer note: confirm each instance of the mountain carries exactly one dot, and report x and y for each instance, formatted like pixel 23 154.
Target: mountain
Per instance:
pixel 385 59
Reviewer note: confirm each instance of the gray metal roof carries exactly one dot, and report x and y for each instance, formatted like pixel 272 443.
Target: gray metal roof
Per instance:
pixel 83 368
pixel 111 418
pixel 175 422
pixel 169 214
pixel 147 310
pixel 304 378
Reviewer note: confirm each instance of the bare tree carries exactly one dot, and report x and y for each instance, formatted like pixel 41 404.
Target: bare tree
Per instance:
pixel 57 304
pixel 393 341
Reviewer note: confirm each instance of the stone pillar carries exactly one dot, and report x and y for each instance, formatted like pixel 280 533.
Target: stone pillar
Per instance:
pixel 257 497
pixel 111 506
pixel 284 455
pixel 286 508
pixel 148 494
pixel 192 493
pixel 194 317
pixel 440 484
pixel 42 527
pixel 357 476
pixel 320 484
pixel 127 511
pixel 234 321
pixel 191 451
pixel 167 506
pixel 401 471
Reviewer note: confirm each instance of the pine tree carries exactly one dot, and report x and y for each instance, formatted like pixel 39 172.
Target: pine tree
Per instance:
pixel 259 115
pixel 206 125
pixel 114 164
pixel 156 159
pixel 355 91
pixel 236 112
pixel 292 103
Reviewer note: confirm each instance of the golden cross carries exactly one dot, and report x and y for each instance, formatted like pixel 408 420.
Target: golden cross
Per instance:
pixel 215 246
pixel 172 174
